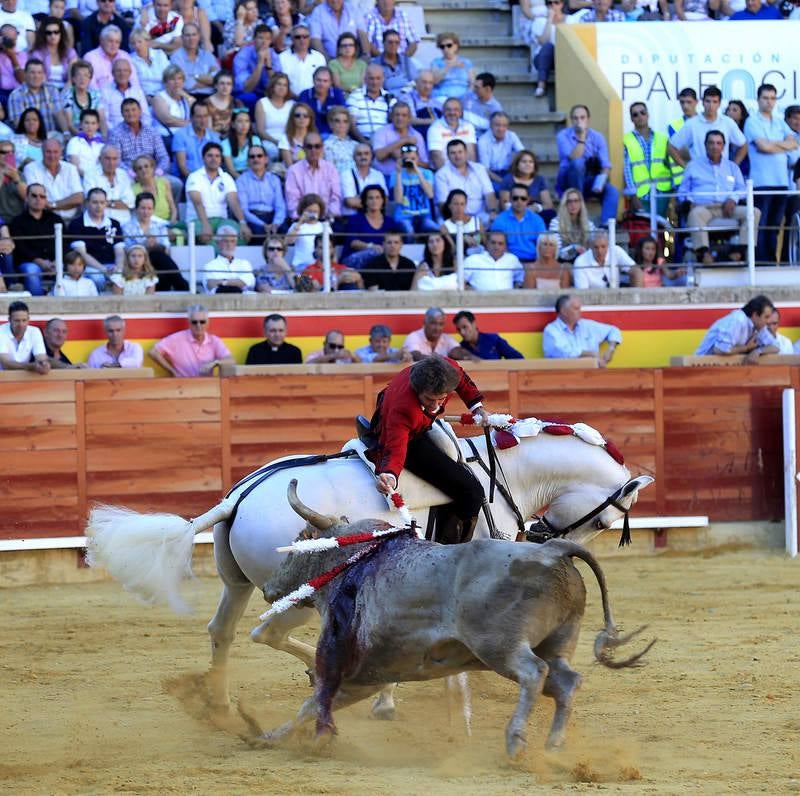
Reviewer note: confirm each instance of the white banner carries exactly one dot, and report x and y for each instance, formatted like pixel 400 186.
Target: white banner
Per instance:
pixel 652 61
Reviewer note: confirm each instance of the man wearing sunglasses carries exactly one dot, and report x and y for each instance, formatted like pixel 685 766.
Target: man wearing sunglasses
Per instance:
pixel 260 195
pixel 333 350
pixel 193 351
pixel 646 162
pixel 300 62
pixel 315 175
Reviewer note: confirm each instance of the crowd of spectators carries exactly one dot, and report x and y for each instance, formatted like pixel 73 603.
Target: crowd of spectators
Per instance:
pixel 258 122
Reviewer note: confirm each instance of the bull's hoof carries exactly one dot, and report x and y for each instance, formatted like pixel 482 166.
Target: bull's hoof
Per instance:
pixel 312 678
pixel 383 712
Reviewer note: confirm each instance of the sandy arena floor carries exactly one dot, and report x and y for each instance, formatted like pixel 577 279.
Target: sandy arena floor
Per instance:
pixel 100 695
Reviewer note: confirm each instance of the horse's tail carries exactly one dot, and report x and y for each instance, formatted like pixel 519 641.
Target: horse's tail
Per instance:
pixel 149 554
pixel 608 638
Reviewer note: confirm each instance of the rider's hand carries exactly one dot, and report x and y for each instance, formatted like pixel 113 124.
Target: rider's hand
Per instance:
pixel 386 484
pixel 483 416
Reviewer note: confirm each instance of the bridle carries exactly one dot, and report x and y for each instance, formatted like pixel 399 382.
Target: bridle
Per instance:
pixel 543 530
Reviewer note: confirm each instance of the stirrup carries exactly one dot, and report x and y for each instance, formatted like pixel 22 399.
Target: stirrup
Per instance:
pixel 536 537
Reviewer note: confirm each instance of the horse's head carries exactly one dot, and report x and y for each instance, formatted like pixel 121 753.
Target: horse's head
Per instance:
pixel 584 511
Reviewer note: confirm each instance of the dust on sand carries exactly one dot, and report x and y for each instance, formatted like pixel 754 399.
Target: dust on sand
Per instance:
pixel 102 694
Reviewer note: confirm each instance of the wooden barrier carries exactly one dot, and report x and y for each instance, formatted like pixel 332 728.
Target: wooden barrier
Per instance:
pixel 735 359
pixel 711 437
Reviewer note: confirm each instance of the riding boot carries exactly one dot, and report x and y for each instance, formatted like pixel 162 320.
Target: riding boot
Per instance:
pixel 467 529
pixel 448 530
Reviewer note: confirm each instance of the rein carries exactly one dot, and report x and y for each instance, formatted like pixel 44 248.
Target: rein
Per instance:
pixel 544 529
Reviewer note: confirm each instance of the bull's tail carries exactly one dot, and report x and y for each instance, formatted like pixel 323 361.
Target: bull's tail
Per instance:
pixel 609 637
pixel 148 553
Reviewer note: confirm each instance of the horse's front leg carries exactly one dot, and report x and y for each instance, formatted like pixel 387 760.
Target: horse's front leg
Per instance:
pixel 275 633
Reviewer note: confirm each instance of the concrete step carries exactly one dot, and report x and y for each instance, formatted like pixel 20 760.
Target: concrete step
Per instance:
pixel 468 18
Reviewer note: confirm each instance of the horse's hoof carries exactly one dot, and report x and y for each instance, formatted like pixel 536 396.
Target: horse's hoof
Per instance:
pixel 383 713
pixel 515 745
pixel 324 736
pixel 554 745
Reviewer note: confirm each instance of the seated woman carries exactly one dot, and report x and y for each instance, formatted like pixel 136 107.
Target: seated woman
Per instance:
pixel 340 148
pixel 272 113
pixel 437 267
pixel 138 276
pixel 31 125
pixel 654 271
pixel 523 172
pixel 276 274
pixel 146 229
pixel 363 233
pixel 236 147
pixel 221 103
pixel 454 210
pixel 301 122
pixel 77 97
pixel 173 105
pixel 347 68
pixel 144 167
pixel 453 74
pixel 342 277
pixel 52 47
pixel 572 225
pixel 547 273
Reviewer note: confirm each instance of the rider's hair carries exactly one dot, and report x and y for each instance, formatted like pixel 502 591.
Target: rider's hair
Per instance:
pixel 434 375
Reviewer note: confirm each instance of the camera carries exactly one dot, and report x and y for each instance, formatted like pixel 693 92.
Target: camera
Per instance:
pixel 408 163
pixel 312 216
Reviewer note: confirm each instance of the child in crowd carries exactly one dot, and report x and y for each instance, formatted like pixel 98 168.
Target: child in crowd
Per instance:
pixel 75 284
pixel 83 150
pixel 138 277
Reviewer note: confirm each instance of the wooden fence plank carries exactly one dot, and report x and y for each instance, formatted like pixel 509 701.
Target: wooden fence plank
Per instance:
pixel 155 411
pixel 32 415
pixel 152 389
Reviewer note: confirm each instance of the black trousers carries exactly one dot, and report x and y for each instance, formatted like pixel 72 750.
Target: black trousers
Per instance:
pixel 169 277
pixel 428 462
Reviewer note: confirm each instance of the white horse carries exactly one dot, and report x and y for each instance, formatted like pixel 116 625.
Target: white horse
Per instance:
pixel 151 553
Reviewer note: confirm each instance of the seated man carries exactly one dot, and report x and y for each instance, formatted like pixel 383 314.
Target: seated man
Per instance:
pixel 98 238
pixel 193 351
pixel 116 183
pixel 189 141
pixel 355 180
pixel 60 179
pixel 118 90
pixel 22 345
pixel 313 174
pixel 472 178
pixel 584 163
pixel 783 343
pixel 212 194
pixel 333 350
pixel 55 335
pixel 227 273
pixel 274 350
pixel 497 147
pixel 592 269
pixel 379 348
pixel 570 336
pixel 390 270
pixel 714 185
pixel 390 140
pixel 399 70
pixel 494 268
pixel 261 194
pixel 480 104
pixel 482 345
pixel 253 66
pixel 742 331
pixel 35 246
pixel 412 190
pixel 451 127
pixel 431 338
pixel 521 225
pixel 117 352
pixel 369 105
pixel 35 93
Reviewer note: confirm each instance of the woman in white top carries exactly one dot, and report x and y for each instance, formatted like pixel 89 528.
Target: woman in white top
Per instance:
pixel 572 225
pixel 149 62
pixel 454 210
pixel 310 211
pixel 272 113
pixel 173 106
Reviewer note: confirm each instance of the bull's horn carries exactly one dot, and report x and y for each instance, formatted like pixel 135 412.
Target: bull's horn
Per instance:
pixel 314 518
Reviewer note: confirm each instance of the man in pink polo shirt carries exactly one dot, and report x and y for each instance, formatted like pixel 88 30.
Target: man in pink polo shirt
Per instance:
pixel 193 351
pixel 117 352
pixel 431 338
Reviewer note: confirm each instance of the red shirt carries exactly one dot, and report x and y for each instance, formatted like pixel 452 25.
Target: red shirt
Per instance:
pixel 401 418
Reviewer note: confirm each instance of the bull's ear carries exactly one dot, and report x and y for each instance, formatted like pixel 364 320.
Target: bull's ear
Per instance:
pixel 343 519
pixel 630 491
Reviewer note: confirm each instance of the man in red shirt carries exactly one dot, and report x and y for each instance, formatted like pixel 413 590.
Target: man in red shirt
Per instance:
pixel 404 413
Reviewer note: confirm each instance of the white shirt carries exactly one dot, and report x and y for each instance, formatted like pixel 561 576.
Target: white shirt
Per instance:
pixel 121 190
pixel 32 343
pixel 439 133
pixel 65 183
pixel 87 153
pixel 483 272
pixel 784 344
pixel 23 22
pixel 213 193
pixel 588 273
pixel 353 183
pixel 75 288
pixel 222 268
pixel 692 135
pixel 301 72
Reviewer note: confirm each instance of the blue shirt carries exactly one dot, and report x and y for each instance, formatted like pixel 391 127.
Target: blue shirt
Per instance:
pixel 561 342
pixel 722 181
pixel 335 97
pixel 765 12
pixel 244 64
pixel 766 169
pixel 396 78
pixel 186 140
pixel 324 25
pixel 263 195
pixel 520 233
pixel 415 202
pixel 595 146
pixel 497 155
pixel 477 111
pixel 491 346
pixel 734 329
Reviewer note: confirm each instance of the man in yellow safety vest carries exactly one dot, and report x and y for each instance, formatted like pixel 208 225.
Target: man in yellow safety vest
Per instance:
pixel 646 162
